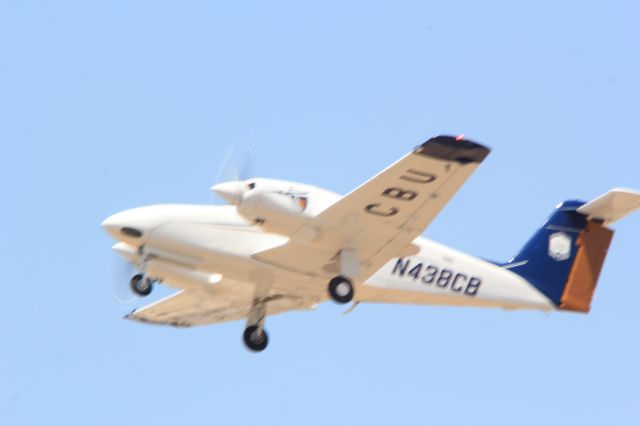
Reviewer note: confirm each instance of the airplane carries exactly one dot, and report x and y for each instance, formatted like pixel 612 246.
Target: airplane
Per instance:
pixel 281 246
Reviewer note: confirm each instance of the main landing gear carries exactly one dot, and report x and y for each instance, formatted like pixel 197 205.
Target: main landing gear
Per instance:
pixel 255 337
pixel 341 289
pixel 141 285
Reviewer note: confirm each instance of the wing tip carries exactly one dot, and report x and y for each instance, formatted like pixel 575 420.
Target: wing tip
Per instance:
pixel 131 316
pixel 451 148
pixel 173 323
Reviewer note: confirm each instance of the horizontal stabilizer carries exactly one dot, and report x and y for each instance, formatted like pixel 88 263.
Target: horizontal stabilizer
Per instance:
pixel 612 206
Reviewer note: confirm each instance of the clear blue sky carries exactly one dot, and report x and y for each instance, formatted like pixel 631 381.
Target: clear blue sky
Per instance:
pixel 111 105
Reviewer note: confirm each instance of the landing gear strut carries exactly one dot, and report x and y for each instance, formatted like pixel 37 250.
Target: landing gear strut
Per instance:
pixel 341 290
pixel 341 287
pixel 141 285
pixel 255 337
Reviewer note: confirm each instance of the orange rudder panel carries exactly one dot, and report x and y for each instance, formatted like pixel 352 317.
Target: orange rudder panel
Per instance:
pixel 593 244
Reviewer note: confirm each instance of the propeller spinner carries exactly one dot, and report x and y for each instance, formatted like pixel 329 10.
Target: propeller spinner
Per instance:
pixel 231 192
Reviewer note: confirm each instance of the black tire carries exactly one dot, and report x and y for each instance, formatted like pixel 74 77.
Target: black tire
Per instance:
pixel 341 290
pixel 140 285
pixel 254 339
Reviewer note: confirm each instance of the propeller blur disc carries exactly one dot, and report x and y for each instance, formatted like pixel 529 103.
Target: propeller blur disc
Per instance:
pixel 237 164
pixel 124 297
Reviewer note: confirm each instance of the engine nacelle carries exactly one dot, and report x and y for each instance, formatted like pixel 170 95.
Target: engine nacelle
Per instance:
pixel 283 207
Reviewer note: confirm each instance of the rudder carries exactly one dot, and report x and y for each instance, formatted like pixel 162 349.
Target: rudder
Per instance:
pixel 593 243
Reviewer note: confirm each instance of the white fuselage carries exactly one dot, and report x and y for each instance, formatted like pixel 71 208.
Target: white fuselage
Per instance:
pixel 187 246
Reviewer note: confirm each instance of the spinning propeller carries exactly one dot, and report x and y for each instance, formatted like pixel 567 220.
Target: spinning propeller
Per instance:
pixel 123 270
pixel 235 169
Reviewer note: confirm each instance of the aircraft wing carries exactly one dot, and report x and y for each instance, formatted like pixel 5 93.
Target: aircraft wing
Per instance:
pixel 379 220
pixel 189 308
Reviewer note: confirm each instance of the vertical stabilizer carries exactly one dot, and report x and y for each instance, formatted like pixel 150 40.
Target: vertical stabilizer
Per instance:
pixel 564 258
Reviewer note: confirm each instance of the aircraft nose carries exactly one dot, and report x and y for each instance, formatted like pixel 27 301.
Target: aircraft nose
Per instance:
pixel 110 225
pixel 229 191
pixel 120 226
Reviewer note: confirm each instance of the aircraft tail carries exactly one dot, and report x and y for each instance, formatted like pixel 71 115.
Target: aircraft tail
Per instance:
pixel 563 259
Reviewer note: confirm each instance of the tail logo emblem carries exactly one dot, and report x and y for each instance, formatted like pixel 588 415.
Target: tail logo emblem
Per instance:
pixel 560 246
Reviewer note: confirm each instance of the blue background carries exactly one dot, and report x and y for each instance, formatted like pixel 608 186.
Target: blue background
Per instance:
pixel 110 105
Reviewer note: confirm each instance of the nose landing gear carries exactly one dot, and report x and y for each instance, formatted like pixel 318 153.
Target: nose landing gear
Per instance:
pixel 141 285
pixel 255 337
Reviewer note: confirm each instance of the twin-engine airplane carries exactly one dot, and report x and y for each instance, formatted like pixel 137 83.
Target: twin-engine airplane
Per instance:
pixel 283 246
